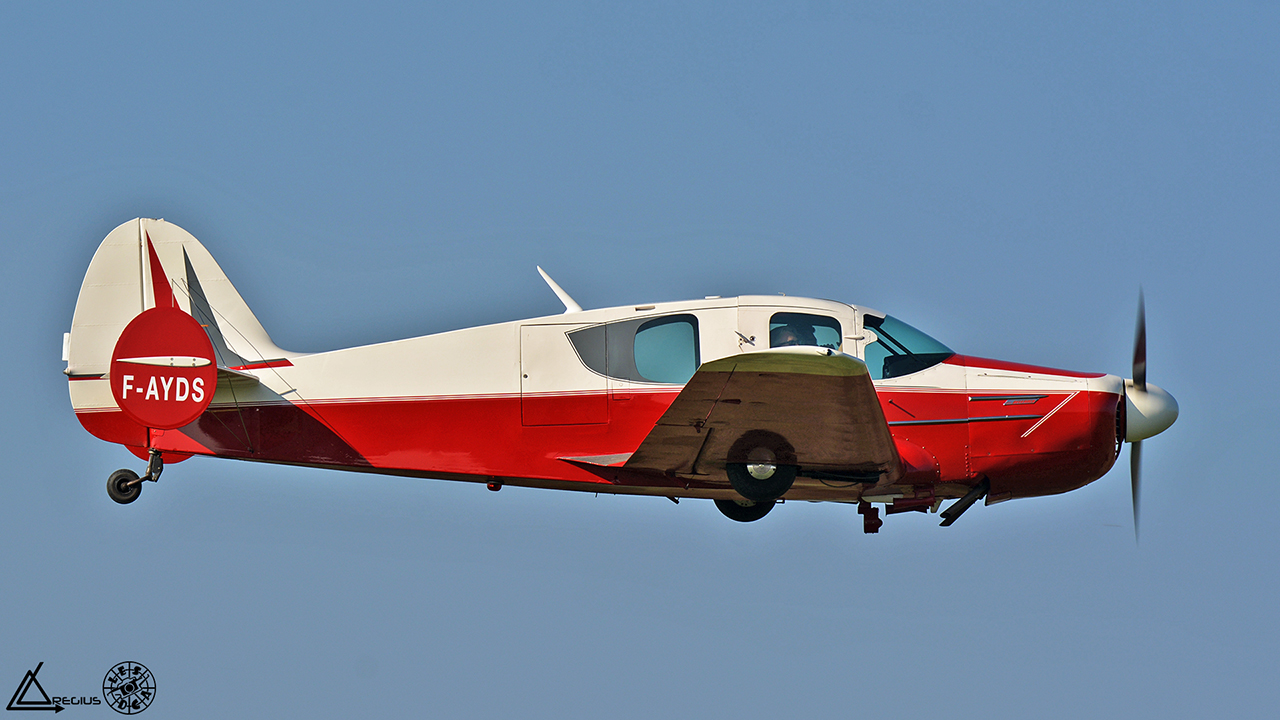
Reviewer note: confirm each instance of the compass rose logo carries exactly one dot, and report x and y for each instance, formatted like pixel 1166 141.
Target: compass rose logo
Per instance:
pixel 129 688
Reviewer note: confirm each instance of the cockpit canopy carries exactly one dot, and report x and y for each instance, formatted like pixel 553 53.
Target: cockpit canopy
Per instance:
pixel 899 349
pixel 668 348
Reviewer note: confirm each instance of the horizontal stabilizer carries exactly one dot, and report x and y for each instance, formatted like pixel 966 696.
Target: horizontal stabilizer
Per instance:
pixel 226 375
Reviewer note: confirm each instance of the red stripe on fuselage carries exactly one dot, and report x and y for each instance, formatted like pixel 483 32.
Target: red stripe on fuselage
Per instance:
pixel 485 436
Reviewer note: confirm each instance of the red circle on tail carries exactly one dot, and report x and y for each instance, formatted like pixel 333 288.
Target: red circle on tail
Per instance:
pixel 163 370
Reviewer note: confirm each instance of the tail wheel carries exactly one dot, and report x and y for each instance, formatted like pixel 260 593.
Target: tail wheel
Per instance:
pixel 737 512
pixel 123 486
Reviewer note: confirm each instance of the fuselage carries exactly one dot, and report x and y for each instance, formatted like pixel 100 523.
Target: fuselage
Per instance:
pixel 513 403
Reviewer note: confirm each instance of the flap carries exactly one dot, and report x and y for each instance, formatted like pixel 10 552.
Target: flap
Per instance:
pixel 817 407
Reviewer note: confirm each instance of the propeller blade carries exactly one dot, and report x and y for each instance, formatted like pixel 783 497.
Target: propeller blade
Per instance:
pixel 1140 347
pixel 1135 476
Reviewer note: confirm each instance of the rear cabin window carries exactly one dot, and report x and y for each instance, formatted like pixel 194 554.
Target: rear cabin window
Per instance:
pixel 666 349
pixel 789 328
pixel 657 350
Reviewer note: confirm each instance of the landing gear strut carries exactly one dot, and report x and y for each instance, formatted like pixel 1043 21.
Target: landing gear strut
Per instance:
pixel 124 486
pixel 871 521
pixel 957 508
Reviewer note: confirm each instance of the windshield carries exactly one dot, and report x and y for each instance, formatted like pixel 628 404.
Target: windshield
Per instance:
pixel 899 348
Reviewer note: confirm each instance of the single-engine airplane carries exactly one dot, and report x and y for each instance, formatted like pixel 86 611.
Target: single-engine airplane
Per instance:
pixel 748 401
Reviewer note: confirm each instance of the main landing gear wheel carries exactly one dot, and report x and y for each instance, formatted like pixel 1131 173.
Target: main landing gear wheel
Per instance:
pixel 761 479
pixel 124 486
pixel 737 512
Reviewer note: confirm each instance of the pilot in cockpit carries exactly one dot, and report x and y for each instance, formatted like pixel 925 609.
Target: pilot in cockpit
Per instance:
pixel 789 335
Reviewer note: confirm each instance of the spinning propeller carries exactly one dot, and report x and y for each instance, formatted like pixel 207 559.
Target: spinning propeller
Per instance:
pixel 1149 410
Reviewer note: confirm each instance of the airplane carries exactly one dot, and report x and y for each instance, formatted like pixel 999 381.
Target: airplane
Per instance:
pixel 748 401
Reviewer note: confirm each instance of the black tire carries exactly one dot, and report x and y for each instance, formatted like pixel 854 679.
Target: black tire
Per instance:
pixel 119 489
pixel 744 513
pixel 760 490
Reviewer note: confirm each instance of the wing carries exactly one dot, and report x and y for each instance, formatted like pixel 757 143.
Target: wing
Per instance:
pixel 820 404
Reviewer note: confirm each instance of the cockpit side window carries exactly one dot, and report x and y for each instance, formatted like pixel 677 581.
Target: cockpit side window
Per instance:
pixel 899 349
pixel 790 328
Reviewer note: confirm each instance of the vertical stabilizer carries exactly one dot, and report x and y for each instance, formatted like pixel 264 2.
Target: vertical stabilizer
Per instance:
pixel 147 263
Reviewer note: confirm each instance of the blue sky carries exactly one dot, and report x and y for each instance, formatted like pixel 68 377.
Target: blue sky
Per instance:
pixel 1002 176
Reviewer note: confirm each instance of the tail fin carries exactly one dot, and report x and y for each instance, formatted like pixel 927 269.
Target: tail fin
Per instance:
pixel 148 263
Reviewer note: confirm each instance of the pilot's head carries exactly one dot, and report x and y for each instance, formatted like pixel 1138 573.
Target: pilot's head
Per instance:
pixel 787 335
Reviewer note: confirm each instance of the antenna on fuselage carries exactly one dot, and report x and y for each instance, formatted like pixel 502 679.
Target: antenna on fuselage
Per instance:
pixel 569 305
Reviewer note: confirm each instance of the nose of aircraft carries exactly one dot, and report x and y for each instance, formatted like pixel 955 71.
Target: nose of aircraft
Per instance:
pixel 1149 411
